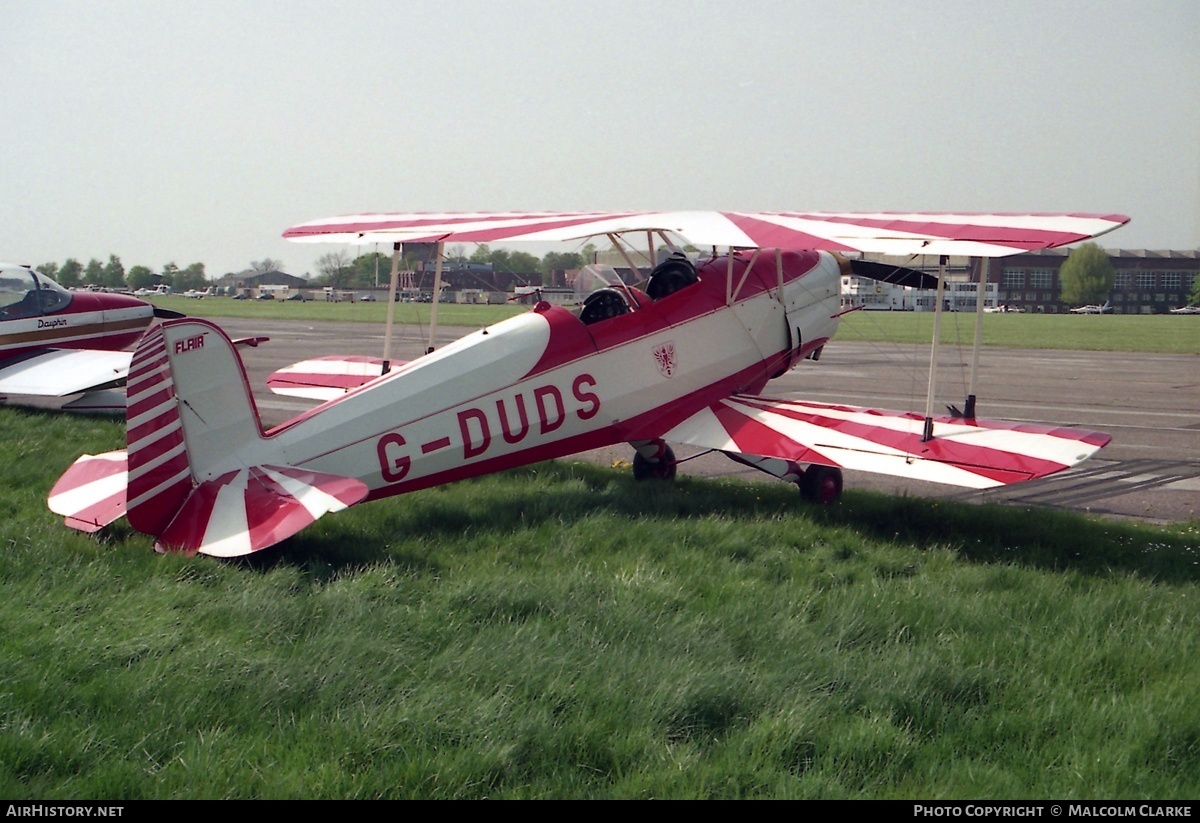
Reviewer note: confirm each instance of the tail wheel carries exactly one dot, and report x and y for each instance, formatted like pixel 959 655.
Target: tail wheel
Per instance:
pixel 661 469
pixel 821 484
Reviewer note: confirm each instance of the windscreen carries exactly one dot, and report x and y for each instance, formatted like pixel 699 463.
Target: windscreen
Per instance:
pixel 18 297
pixel 53 297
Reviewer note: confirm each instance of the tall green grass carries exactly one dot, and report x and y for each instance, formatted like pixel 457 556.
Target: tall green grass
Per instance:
pixel 562 631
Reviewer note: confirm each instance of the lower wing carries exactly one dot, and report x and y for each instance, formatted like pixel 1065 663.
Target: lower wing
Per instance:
pixel 974 453
pixel 93 378
pixel 327 378
pixel 63 372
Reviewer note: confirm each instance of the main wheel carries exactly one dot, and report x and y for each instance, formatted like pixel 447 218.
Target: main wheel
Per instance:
pixel 821 484
pixel 661 469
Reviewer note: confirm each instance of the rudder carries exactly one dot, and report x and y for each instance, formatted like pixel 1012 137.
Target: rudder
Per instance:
pixel 159 478
pixel 188 409
pixel 202 477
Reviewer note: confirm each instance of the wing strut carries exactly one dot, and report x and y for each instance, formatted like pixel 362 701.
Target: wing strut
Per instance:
pixel 437 295
pixel 391 312
pixel 969 406
pixel 933 350
pixel 635 273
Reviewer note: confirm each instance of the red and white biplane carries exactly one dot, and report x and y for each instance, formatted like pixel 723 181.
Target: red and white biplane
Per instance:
pixel 66 348
pixel 684 358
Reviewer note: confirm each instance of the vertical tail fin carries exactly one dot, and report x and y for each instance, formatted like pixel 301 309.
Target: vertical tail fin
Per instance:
pixel 189 413
pixel 202 477
pixel 159 477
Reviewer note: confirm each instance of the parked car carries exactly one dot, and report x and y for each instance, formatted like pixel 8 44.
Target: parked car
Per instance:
pixel 367 298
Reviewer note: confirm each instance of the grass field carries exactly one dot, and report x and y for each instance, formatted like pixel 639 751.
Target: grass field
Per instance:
pixel 1172 334
pixel 1165 333
pixel 562 631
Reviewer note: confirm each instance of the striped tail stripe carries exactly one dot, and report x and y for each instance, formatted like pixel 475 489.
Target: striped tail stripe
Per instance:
pixel 165 486
pixel 188 417
pixel 159 476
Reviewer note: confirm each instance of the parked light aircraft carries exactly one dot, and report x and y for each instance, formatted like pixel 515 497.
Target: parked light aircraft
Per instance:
pixel 1093 309
pixel 682 359
pixel 65 347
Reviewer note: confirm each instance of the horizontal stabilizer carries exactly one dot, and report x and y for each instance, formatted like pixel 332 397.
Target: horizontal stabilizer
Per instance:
pixel 326 378
pixel 970 453
pixel 248 510
pixel 91 494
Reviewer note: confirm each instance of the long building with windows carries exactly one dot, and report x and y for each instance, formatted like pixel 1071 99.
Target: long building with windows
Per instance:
pixel 1147 282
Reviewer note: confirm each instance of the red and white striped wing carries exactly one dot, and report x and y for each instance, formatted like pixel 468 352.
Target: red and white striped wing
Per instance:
pixel 326 378
pixel 251 509
pixel 971 453
pixel 91 494
pixel 979 235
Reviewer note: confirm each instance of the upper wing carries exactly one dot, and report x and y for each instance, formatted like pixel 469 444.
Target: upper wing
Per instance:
pixel 972 453
pixel 63 372
pixel 978 235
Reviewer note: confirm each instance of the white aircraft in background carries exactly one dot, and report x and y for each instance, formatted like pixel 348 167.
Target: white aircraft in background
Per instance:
pixel 1093 309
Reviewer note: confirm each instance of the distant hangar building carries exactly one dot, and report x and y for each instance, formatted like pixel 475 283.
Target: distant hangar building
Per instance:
pixel 1147 282
pixel 251 280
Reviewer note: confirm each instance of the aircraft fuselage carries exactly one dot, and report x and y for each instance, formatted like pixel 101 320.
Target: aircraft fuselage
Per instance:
pixel 36 313
pixel 544 384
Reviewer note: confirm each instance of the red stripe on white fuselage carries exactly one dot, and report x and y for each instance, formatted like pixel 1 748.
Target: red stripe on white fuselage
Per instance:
pixel 109 322
pixel 543 385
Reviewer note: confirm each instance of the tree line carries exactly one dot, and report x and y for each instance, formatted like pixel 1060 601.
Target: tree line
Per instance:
pixel 112 275
pixel 335 269
pixel 338 270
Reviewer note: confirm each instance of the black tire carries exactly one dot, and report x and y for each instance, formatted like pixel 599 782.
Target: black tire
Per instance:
pixel 663 469
pixel 821 484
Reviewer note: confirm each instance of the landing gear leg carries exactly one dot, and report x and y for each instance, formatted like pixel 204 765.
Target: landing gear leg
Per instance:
pixel 821 484
pixel 653 460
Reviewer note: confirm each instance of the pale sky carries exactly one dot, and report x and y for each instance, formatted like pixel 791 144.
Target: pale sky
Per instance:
pixel 161 131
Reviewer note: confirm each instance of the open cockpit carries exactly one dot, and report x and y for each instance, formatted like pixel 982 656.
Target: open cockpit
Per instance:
pixel 608 296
